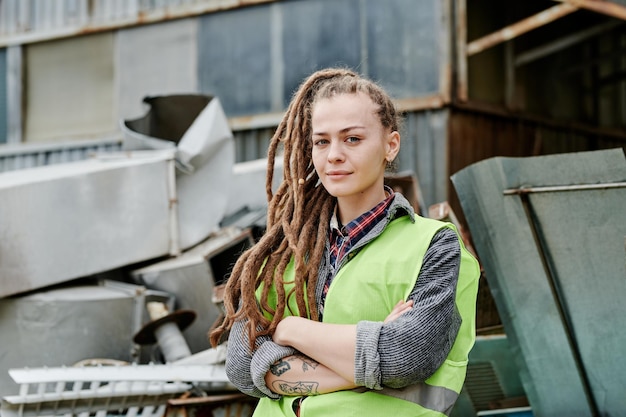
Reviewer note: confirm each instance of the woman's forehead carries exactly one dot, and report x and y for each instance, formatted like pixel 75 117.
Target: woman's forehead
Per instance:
pixel 347 105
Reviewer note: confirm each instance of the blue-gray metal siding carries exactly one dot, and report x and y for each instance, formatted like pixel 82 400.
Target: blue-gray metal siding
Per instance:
pixel 234 59
pixel 318 34
pixel 254 58
pixel 403 45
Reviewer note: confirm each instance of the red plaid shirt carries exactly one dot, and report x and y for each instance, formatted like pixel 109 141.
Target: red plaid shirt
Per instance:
pixel 342 239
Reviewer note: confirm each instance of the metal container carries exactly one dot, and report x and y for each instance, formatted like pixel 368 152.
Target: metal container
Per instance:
pixel 66 221
pixel 65 326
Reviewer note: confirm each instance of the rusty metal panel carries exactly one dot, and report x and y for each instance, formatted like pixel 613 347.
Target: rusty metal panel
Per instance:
pixel 550 233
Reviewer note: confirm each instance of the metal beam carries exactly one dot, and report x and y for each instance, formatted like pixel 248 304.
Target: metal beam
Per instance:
pixel 562 43
pixel 519 28
pixel 600 6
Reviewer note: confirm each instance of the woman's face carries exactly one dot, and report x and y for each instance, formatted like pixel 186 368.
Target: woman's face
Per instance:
pixel 351 148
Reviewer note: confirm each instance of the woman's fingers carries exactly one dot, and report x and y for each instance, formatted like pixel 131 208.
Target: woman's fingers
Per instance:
pixel 400 308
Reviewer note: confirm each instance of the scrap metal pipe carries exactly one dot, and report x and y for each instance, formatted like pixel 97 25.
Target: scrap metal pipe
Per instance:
pixel 519 28
pixel 166 329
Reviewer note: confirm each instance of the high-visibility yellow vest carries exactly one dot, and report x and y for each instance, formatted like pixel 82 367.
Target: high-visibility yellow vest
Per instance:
pixel 367 288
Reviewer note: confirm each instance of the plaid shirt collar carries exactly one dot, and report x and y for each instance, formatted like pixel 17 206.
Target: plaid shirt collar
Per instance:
pixel 344 238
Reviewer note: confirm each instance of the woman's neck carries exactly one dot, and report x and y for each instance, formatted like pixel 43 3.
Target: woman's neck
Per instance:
pixel 349 208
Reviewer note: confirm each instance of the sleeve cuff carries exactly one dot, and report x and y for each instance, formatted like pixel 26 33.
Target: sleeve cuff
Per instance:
pixel 366 358
pixel 262 359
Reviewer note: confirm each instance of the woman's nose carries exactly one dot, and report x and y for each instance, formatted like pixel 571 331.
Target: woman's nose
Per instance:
pixel 335 151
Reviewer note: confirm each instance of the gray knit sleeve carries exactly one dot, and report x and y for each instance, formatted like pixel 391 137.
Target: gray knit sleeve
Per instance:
pixel 411 348
pixel 247 370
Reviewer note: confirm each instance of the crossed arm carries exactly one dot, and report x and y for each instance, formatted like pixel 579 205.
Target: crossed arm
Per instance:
pixel 316 359
pixel 326 360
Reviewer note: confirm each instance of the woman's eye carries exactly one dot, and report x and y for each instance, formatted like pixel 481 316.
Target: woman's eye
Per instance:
pixel 353 139
pixel 320 142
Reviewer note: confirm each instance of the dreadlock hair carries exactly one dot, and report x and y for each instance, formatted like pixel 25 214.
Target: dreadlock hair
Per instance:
pixel 298 212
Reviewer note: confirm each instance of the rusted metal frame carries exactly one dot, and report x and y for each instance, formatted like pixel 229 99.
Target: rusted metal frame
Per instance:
pixel 142 18
pixel 460 28
pixel 430 102
pixel 599 6
pixel 523 26
pixel 562 43
pixel 255 121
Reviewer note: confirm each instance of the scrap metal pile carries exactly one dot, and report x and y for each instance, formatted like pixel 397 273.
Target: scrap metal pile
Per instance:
pixel 109 268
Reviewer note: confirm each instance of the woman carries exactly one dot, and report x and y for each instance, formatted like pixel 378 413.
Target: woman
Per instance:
pixel 350 304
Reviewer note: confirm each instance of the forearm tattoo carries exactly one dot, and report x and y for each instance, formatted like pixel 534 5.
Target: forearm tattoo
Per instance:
pixel 294 387
pixel 284 365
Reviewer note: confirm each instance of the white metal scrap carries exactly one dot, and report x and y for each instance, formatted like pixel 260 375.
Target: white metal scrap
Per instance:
pixel 94 390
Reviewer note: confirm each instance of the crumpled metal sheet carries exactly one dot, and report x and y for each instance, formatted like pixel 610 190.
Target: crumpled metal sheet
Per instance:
pixel 67 221
pixel 197 128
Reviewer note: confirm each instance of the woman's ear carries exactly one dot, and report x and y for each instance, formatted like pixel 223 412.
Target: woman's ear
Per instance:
pixel 392 146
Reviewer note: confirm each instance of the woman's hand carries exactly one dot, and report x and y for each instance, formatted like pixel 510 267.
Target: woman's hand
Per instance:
pixel 286 328
pixel 400 308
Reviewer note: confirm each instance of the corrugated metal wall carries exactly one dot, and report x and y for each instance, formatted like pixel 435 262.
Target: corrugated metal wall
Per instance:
pixel 14 157
pixel 54 16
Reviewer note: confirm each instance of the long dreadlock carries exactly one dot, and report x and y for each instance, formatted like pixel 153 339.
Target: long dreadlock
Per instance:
pixel 298 213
